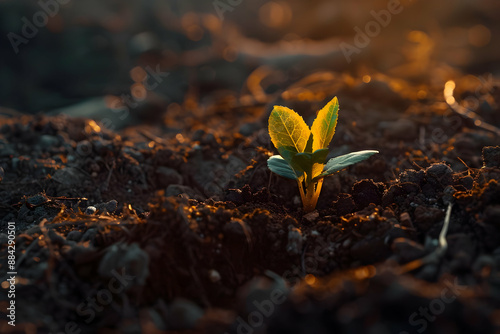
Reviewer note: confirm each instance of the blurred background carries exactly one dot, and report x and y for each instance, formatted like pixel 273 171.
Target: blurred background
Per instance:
pixel 125 61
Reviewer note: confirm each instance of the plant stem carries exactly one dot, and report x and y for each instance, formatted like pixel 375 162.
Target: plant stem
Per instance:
pixel 317 192
pixel 312 194
pixel 301 189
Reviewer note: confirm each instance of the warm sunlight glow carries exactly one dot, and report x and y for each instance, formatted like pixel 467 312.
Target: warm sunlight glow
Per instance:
pixel 449 85
pixel 138 91
pixel 275 14
pixel 479 36
pixel 310 279
pixel 138 74
pixel 93 125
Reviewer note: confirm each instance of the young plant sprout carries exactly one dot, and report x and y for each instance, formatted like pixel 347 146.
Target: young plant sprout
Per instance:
pixel 303 151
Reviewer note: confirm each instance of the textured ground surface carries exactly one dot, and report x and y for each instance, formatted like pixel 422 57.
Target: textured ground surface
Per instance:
pixel 205 230
pixel 142 209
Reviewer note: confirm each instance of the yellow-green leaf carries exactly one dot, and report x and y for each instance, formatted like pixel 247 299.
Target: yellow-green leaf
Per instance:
pixel 288 131
pixel 318 160
pixel 310 163
pixel 323 127
pixel 317 169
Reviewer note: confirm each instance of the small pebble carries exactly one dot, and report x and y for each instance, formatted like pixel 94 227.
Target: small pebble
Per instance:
pixel 74 236
pixel 408 250
pixel 439 174
pixel 314 233
pixel 405 219
pixel 107 206
pixel 311 216
pixel 294 246
pixel 48 141
pixel 111 205
pixel 346 243
pixel 214 275
pixel 90 210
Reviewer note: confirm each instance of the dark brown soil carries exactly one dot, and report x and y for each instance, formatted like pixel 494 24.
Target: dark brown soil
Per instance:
pixel 207 233
pixel 166 219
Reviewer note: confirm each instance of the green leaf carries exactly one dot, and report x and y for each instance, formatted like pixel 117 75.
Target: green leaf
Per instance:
pixel 309 145
pixel 338 163
pixel 289 133
pixel 302 161
pixel 319 156
pixel 318 160
pixel 287 152
pixel 279 166
pixel 323 127
pixel 310 163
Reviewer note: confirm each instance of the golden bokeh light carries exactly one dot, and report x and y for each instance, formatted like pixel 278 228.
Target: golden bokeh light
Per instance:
pixel 113 102
pixel 479 36
pixel 275 14
pixel 194 32
pixel 449 87
pixel 138 74
pixel 179 137
pixel 365 272
pixel 138 91
pixel 92 125
pixel 417 36
pixel 212 23
pixel 191 25
pixel 310 279
pixel 422 94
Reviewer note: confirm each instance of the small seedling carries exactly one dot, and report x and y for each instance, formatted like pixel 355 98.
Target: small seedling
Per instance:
pixel 303 151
